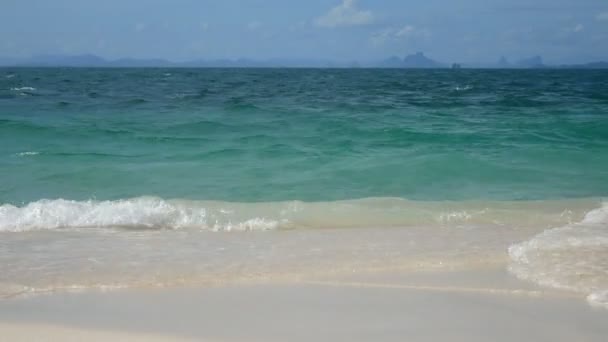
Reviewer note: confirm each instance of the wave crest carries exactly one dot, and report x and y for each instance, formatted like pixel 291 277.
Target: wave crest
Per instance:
pixel 136 213
pixel 23 89
pixel 158 213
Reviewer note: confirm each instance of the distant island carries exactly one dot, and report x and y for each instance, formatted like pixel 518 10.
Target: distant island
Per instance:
pixel 417 60
pixel 420 61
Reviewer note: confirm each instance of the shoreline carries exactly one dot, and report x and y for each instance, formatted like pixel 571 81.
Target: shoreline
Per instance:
pixel 475 305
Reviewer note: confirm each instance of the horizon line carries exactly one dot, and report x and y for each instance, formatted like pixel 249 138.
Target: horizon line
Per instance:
pixel 422 61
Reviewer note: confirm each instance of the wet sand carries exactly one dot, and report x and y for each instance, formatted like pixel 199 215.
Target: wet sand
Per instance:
pixel 481 305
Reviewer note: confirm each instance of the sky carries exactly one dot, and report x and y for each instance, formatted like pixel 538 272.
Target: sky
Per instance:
pixel 561 31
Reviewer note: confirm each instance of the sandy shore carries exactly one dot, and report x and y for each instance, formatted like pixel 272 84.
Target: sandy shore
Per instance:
pixel 454 306
pixel 47 332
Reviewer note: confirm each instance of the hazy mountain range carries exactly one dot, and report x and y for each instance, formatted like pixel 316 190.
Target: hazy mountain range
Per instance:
pixel 413 61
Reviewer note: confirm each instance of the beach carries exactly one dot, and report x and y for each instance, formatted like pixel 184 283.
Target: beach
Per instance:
pixel 480 305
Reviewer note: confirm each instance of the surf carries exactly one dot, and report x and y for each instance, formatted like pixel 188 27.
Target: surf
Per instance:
pixel 571 257
pixel 148 212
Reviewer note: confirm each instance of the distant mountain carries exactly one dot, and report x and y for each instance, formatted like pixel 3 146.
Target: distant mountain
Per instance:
pixel 419 60
pixel 132 63
pixel 222 63
pixel 532 62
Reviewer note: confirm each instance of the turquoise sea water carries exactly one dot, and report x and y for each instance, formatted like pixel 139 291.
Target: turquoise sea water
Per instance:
pixel 313 135
pixel 511 161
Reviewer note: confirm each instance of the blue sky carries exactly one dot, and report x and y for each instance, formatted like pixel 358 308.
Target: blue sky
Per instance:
pixel 562 31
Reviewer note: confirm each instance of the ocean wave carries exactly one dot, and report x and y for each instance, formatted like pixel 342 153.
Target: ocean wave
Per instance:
pixel 158 213
pixel 23 89
pixel 191 95
pixel 465 88
pixel 27 153
pixel 571 257
pixel 137 213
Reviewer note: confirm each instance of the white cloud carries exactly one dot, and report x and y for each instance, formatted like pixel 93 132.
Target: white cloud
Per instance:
pixel 578 28
pixel 405 31
pixel 399 34
pixel 345 14
pixel 140 27
pixel 603 16
pixel 204 26
pixel 254 25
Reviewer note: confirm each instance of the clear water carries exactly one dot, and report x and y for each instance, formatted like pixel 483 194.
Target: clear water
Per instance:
pixel 312 135
pixel 121 156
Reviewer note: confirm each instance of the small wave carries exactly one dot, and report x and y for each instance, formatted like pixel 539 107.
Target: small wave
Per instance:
pixel 465 88
pixel 158 213
pixel 10 76
pixel 24 89
pixel 189 95
pixel 27 153
pixel 570 257
pixel 240 104
pixel 137 213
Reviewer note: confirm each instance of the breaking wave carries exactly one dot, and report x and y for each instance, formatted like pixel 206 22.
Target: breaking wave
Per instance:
pixel 23 89
pixel 158 213
pixel 571 257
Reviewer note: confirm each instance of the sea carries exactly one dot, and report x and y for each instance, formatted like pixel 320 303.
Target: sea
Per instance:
pixel 151 177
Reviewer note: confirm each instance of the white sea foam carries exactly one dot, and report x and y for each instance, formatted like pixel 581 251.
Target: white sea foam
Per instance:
pixel 142 212
pixel 158 213
pixel 599 299
pixel 27 153
pixel 465 88
pixel 24 89
pixel 571 257
pixel 456 216
pixel 179 253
